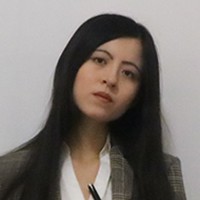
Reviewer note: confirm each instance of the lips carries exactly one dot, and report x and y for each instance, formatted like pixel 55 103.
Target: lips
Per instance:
pixel 104 96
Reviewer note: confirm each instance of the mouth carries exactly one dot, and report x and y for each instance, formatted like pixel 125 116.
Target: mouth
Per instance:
pixel 103 96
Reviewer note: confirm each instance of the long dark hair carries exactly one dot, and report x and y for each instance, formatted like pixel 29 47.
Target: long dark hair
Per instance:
pixel 137 132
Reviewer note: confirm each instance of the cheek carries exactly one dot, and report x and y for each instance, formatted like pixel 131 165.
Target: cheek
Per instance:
pixel 129 95
pixel 82 84
pixel 79 80
pixel 84 76
pixel 126 101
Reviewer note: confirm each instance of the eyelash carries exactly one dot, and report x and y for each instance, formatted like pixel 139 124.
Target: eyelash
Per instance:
pixel 99 60
pixel 129 74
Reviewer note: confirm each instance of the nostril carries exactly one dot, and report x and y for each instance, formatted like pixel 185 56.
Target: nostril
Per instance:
pixel 109 83
pixel 112 85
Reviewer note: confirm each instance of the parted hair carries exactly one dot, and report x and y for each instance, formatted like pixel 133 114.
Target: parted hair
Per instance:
pixel 138 132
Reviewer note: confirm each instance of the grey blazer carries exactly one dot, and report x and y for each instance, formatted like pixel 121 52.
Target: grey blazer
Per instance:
pixel 121 173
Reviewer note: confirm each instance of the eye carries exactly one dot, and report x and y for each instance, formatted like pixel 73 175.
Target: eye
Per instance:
pixel 130 74
pixel 99 60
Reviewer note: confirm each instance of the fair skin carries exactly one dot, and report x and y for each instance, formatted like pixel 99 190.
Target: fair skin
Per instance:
pixel 105 87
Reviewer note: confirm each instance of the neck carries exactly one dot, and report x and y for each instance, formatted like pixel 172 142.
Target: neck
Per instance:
pixel 88 138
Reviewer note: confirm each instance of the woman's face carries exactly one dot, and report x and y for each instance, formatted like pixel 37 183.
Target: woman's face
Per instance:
pixel 107 83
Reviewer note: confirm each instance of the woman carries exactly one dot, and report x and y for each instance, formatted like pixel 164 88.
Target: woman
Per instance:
pixel 104 124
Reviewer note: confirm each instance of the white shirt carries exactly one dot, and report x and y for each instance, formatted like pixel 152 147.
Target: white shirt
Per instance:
pixel 70 189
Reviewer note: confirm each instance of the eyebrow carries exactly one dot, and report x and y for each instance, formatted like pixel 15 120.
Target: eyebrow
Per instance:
pixel 124 62
pixel 132 64
pixel 104 51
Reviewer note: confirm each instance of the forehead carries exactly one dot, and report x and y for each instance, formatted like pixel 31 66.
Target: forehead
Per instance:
pixel 124 48
pixel 132 44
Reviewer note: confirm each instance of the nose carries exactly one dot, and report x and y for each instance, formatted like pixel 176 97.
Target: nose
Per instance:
pixel 110 78
pixel 109 84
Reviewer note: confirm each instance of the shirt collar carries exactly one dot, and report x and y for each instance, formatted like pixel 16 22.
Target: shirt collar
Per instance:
pixel 105 150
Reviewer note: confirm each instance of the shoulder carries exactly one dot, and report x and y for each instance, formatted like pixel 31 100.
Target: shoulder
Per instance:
pixel 12 161
pixel 11 165
pixel 174 173
pixel 173 166
pixel 172 162
pixel 17 155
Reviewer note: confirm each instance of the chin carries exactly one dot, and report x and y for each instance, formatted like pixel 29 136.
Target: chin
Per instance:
pixel 102 118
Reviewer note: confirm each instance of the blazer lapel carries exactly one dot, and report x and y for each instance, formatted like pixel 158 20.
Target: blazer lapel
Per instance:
pixel 57 193
pixel 123 186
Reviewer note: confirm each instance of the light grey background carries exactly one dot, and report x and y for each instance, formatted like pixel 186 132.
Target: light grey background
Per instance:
pixel 34 32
